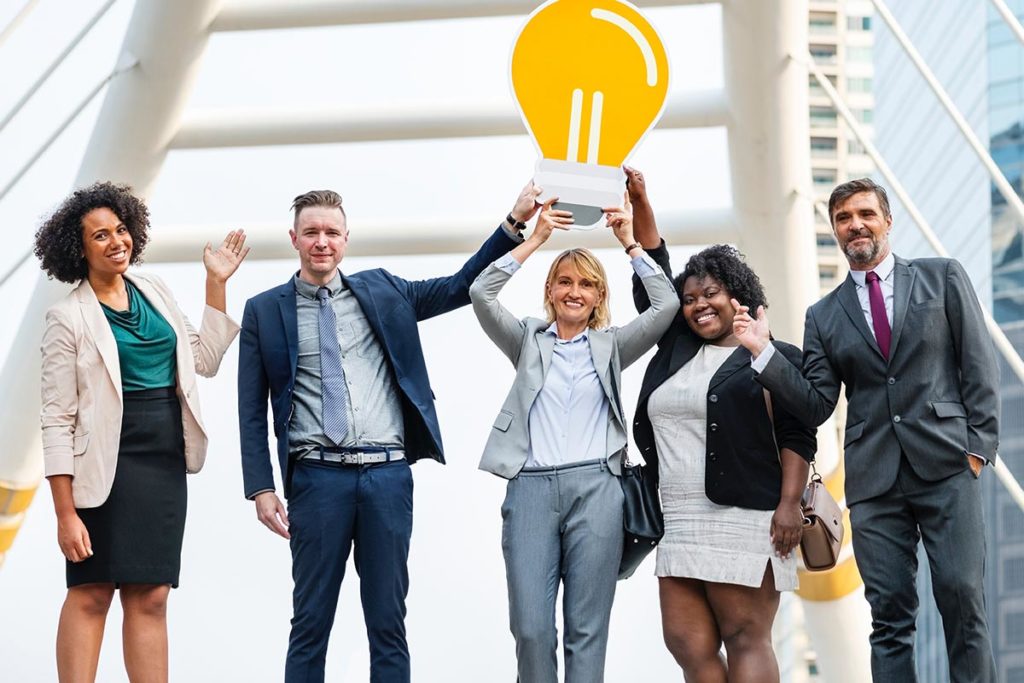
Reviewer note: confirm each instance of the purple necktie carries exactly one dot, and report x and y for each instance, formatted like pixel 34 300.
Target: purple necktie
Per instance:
pixel 880 321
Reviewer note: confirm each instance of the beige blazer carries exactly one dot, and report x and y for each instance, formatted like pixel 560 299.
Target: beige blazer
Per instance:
pixel 81 384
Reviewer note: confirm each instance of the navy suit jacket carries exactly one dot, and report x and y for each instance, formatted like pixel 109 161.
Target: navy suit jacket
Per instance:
pixel 268 355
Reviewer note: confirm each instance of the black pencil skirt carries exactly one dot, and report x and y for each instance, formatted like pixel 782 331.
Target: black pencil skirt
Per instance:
pixel 136 534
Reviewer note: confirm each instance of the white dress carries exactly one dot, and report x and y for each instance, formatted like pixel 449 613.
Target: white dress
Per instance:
pixel 704 540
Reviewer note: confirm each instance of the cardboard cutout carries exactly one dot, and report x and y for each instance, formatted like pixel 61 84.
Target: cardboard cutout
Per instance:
pixel 590 78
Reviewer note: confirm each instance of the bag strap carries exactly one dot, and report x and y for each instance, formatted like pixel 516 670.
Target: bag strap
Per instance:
pixel 771 416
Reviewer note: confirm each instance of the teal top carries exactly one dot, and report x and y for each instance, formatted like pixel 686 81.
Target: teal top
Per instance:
pixel 145 344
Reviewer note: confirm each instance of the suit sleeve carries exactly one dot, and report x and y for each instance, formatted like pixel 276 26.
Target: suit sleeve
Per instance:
pixel 790 431
pixel 660 256
pixel 59 386
pixel 443 294
pixel 634 339
pixel 253 391
pixel 979 373
pixel 810 394
pixel 503 328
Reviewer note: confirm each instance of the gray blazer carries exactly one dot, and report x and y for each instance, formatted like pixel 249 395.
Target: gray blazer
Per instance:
pixel 529 349
pixel 935 399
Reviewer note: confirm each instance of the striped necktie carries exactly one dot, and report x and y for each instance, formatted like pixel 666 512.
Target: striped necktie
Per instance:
pixel 333 394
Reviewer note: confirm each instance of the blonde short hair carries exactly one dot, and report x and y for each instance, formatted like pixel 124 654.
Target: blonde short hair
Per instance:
pixel 587 265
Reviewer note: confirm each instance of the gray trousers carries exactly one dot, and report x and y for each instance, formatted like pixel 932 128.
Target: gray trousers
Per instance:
pixel 562 523
pixel 947 516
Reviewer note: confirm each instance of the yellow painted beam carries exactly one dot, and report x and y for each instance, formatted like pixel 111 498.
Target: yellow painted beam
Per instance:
pixel 833 584
pixel 14 500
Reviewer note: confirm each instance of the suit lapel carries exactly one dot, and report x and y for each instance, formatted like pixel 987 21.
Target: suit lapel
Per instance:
pixel 903 284
pixel 290 321
pixel 737 360
pixel 546 344
pixel 601 355
pixel 364 296
pixel 851 304
pixel 99 330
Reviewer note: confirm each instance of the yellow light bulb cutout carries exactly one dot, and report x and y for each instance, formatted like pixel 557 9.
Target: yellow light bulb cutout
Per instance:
pixel 590 78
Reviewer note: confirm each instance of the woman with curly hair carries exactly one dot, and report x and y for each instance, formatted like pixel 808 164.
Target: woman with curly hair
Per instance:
pixel 731 468
pixel 121 422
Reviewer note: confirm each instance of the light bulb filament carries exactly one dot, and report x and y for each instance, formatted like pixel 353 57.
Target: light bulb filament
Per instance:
pixel 596 105
pixel 575 133
pixel 641 42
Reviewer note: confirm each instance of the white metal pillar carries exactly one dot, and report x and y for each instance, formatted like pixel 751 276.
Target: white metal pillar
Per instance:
pixel 771 186
pixel 138 118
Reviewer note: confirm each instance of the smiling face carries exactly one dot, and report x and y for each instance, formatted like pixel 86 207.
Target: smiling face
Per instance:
pixel 320 236
pixel 862 230
pixel 706 307
pixel 572 295
pixel 106 243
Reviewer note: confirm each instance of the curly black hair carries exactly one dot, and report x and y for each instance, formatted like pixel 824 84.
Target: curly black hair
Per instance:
pixel 727 265
pixel 58 242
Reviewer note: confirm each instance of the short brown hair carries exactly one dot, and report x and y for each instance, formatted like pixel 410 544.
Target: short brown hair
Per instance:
pixel 848 189
pixel 324 198
pixel 587 265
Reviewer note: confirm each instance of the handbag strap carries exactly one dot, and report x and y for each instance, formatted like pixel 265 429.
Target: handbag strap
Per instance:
pixel 771 416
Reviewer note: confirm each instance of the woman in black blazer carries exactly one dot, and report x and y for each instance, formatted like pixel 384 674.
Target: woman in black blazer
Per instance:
pixel 731 470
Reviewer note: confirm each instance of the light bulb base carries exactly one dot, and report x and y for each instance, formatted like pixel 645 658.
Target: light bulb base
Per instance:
pixel 584 189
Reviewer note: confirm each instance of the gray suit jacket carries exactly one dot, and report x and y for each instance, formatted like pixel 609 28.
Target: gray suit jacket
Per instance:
pixel 529 349
pixel 936 398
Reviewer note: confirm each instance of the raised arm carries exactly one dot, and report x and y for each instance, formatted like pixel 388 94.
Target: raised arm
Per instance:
pixel 443 294
pixel 809 390
pixel 634 339
pixel 500 325
pixel 645 229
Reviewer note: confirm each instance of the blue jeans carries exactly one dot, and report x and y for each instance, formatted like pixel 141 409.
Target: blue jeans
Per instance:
pixel 330 508
pixel 562 524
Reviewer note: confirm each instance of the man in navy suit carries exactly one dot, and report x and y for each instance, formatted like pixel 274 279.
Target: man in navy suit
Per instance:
pixel 339 358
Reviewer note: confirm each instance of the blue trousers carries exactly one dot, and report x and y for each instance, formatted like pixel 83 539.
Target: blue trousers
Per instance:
pixel 562 525
pixel 332 508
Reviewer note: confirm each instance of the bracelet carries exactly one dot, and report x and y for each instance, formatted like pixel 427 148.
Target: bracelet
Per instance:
pixel 517 225
pixel 633 246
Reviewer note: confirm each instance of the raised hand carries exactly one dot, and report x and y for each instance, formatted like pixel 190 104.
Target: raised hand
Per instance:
pixel 526 204
pixel 620 220
pixel 636 188
pixel 224 261
pixel 551 219
pixel 752 333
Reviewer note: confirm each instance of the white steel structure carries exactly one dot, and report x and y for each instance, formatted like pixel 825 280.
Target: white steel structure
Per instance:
pixel 763 107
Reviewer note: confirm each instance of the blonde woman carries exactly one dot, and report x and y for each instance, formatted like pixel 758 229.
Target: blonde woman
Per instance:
pixel 559 440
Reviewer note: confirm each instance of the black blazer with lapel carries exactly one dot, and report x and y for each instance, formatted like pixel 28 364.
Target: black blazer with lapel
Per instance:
pixel 935 399
pixel 741 460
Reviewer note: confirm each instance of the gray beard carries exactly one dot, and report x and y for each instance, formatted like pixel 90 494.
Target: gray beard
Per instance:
pixel 864 256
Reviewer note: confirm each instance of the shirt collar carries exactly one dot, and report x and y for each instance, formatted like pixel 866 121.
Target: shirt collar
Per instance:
pixel 552 329
pixel 309 290
pixel 884 270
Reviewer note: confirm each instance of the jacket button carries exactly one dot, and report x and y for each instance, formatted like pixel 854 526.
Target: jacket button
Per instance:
pixel 713 426
pixel 892 380
pixel 896 418
pixel 713 398
pixel 713 458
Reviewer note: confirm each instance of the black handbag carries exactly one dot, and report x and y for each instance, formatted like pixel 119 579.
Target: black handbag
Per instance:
pixel 642 521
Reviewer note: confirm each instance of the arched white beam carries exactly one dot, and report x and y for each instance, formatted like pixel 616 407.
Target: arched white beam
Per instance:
pixel 270 241
pixel 259 15
pixel 139 113
pixel 247 128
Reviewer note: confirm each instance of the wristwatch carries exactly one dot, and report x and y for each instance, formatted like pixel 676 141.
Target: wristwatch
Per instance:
pixel 517 225
pixel 635 245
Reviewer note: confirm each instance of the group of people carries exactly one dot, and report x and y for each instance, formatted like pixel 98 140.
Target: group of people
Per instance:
pixel 725 421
